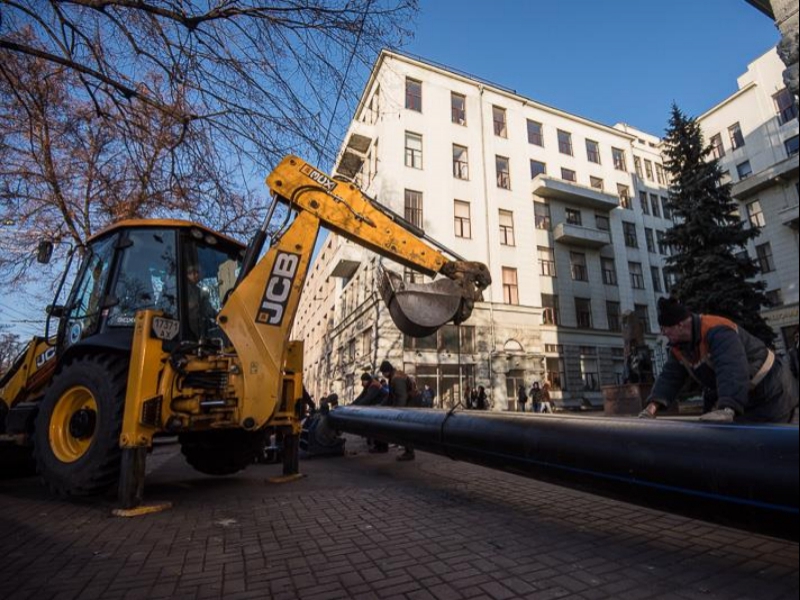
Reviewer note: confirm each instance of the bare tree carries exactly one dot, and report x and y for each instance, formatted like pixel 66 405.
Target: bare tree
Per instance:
pixel 10 347
pixel 126 108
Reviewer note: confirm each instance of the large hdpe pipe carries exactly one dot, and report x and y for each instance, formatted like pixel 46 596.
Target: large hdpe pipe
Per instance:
pixel 742 476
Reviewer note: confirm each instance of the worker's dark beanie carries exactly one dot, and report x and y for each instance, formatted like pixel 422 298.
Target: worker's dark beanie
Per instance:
pixel 671 312
pixel 366 377
pixel 386 367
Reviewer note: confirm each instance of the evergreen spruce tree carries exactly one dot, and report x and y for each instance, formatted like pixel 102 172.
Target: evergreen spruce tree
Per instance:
pixel 713 275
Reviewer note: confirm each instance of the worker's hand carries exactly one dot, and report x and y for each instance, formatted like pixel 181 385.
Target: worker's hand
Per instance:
pixel 649 411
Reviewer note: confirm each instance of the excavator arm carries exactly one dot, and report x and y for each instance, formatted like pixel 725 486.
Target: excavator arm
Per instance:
pixel 418 310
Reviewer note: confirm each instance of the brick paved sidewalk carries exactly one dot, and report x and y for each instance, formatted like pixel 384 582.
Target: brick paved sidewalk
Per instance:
pixel 366 526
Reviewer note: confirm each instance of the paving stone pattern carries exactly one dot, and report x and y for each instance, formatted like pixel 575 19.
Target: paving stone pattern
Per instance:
pixel 365 526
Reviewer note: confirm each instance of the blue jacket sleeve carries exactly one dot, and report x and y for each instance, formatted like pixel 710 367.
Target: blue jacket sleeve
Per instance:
pixel 731 368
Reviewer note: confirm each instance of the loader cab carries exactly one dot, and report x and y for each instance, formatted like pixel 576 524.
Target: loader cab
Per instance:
pixel 178 267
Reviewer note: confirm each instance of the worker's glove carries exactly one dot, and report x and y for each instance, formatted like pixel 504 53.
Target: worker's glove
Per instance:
pixel 646 414
pixel 721 415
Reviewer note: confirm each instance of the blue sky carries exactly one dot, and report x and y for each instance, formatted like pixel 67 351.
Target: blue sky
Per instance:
pixel 607 60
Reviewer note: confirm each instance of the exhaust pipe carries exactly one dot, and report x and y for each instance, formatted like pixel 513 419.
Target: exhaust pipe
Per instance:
pixel 742 476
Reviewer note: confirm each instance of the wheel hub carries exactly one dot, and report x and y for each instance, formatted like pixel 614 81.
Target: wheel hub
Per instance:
pixel 82 423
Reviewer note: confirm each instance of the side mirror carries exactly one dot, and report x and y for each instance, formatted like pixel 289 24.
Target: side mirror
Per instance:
pixel 44 252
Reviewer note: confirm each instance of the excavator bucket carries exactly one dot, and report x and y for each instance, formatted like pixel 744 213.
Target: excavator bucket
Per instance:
pixel 418 309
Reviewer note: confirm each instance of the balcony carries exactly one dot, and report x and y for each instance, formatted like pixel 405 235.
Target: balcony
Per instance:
pixel 575 235
pixel 359 139
pixel 779 173
pixel 789 216
pixel 578 195
pixel 346 261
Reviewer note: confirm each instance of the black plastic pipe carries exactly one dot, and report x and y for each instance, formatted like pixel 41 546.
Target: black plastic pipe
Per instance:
pixel 742 476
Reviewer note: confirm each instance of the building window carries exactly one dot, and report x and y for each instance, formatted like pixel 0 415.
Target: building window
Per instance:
pixel 717 148
pixel 649 240
pixel 754 214
pixel 550 314
pixel 506 228
pixel 665 208
pixel 637 166
pixel 667 281
pixel 735 133
pixel 583 312
pixel 413 150
pixel 577 263
pixel 629 232
pixel 602 222
pixel 596 182
pixel 643 202
pixel 499 119
pixel 791 146
pixel 463 223
pixel 663 249
pixel 538 168
pixel 624 193
pixel 644 315
pixel 661 175
pixel 535 136
pixel 774 298
pixel 619 159
pixel 613 316
pixel 609 271
pixel 547 261
pixel 510 289
pixel 785 105
pixel 655 275
pixel 655 205
pixel 764 257
pixel 648 169
pixel 593 151
pixel 413 208
pixel 458 108
pixel 568 175
pixel 556 374
pixel 744 170
pixel 413 94
pixel 637 277
pixel 541 212
pixel 460 162
pixel 573 216
pixel 503 174
pixel 565 142
pixel 590 372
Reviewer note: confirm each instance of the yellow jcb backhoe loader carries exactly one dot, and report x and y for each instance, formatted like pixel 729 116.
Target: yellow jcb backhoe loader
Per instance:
pixel 171 328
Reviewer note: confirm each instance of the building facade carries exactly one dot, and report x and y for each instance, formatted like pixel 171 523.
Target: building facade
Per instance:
pixel 754 133
pixel 567 213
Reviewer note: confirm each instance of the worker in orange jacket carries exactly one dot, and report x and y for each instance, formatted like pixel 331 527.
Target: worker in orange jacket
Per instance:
pixel 751 382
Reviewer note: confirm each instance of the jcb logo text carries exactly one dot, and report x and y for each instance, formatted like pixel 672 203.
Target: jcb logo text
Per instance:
pixel 278 290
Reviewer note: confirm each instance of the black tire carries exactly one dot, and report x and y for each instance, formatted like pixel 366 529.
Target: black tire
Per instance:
pixel 88 463
pixel 222 452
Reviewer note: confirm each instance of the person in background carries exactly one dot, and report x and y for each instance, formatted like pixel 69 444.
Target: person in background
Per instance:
pixel 400 393
pixel 481 402
pixel 751 383
pixel 547 404
pixel 428 396
pixel 536 397
pixel 793 353
pixel 522 397
pixel 467 401
pixel 372 394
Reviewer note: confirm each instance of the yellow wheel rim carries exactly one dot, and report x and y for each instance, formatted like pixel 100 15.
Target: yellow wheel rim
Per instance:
pixel 65 443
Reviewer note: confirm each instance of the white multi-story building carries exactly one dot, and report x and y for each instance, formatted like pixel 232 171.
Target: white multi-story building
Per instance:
pixel 567 213
pixel 755 136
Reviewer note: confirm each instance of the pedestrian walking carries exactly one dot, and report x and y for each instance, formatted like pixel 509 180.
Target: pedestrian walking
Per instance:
pixel 536 397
